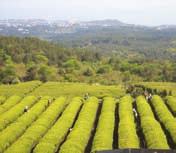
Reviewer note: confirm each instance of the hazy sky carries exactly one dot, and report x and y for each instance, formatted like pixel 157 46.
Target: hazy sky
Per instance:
pixel 145 12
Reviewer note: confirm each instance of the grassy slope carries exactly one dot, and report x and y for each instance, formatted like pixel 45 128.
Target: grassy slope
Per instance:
pixel 56 89
pixel 20 89
pixel 160 86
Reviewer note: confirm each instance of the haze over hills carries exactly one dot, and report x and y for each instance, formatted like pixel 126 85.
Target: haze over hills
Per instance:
pixel 40 26
pixel 108 50
pixel 105 36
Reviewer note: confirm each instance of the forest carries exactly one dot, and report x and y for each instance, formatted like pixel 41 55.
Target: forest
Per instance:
pixel 29 58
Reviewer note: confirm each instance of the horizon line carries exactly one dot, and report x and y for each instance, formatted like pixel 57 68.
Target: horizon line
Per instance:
pixel 77 20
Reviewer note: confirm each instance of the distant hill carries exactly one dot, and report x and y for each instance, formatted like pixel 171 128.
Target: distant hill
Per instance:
pixel 104 23
pixel 45 28
pixel 104 36
pixel 103 51
pixel 124 60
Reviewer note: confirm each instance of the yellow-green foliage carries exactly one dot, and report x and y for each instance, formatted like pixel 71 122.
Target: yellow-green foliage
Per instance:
pixel 154 135
pixel 160 86
pixel 161 109
pixel 143 107
pixel 16 111
pixel 20 89
pixel 165 116
pixel 2 99
pixel 171 102
pixel 56 89
pixel 47 124
pixel 51 141
pixel 127 136
pixel 78 138
pixel 103 139
pixel 16 129
pixel 10 102
pixel 30 138
pixel 125 108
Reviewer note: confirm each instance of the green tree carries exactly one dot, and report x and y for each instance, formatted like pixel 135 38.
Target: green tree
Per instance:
pixel 104 69
pixel 47 73
pixel 72 63
pixel 7 74
pixel 41 59
pixel 88 72
pixel 32 73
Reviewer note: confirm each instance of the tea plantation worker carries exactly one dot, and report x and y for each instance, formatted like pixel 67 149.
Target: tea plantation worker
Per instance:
pixel 26 109
pixel 146 95
pixel 49 101
pixel 150 96
pixel 135 113
pixel 86 96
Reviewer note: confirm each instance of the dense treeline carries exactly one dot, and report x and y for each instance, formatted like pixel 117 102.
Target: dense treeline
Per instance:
pixel 133 41
pixel 24 59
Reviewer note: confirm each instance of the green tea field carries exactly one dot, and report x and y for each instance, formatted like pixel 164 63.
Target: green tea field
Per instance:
pixel 55 117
